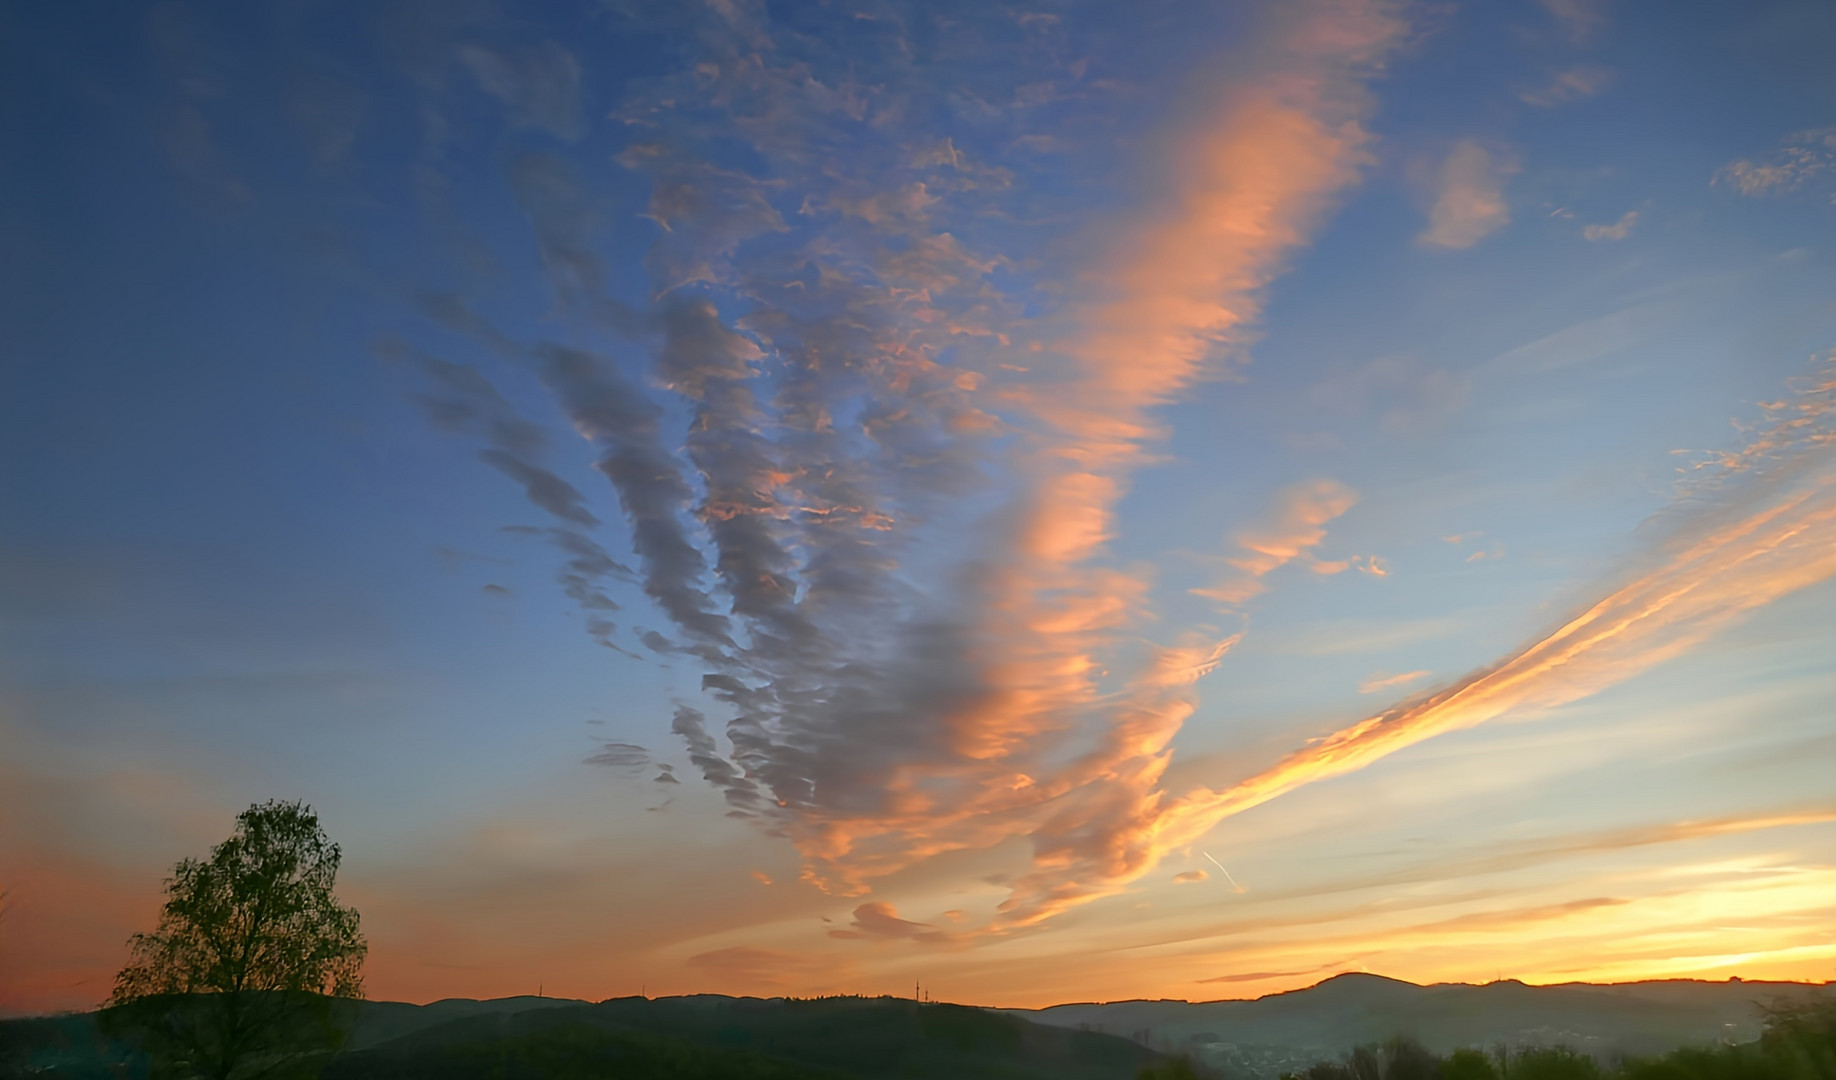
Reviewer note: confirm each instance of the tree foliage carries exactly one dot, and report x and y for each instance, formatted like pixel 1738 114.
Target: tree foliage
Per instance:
pixel 577 1052
pixel 1467 1063
pixel 242 976
pixel 259 914
pixel 1799 1043
pixel 1179 1068
pixel 1552 1063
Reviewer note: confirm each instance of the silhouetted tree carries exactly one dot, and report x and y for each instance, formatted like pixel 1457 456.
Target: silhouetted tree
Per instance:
pixel 1405 1058
pixel 1468 1064
pixel 1553 1063
pixel 1799 1023
pixel 242 977
pixel 1799 1043
pixel 1179 1068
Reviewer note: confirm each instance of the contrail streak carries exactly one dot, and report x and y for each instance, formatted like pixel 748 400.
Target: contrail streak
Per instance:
pixel 1226 873
pixel 1766 530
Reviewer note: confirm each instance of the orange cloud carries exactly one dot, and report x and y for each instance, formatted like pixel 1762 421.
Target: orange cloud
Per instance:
pixel 1775 539
pixel 1263 976
pixel 1030 711
pixel 1749 922
pixel 1386 682
pixel 1292 530
pixel 880 921
pixel 1171 299
pixel 1182 665
pixel 1496 859
pixel 1762 527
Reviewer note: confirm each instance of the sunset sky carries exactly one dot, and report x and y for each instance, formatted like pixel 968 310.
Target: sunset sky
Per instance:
pixel 1063 501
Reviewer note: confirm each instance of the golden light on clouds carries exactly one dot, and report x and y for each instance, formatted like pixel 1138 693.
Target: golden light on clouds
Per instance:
pixel 818 502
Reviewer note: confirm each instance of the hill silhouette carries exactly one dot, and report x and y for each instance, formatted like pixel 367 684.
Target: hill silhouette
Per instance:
pixel 859 1037
pixel 710 1035
pixel 1264 1037
pixel 682 1038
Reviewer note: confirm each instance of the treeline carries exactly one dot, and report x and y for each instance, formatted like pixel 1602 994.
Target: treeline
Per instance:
pixel 574 1052
pixel 1799 1043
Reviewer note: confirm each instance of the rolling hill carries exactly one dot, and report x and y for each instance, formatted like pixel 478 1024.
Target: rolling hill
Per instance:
pixel 683 1038
pixel 706 1036
pixel 1266 1036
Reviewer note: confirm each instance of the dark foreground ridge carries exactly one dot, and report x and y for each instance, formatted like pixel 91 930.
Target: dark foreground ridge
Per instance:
pixel 683 1038
pixel 852 1038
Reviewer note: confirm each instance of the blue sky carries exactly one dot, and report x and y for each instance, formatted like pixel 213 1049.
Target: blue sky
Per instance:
pixel 776 498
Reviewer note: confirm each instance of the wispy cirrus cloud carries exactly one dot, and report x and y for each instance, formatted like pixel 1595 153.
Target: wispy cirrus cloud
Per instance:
pixel 1579 19
pixel 1306 923
pixel 1569 84
pixel 186 128
pixel 1469 200
pixel 751 965
pixel 1263 976
pixel 1408 396
pixel 1761 526
pixel 461 400
pixel 621 757
pixel 871 473
pixel 1389 682
pixel 1186 285
pixel 540 82
pixel 1619 230
pixel 1803 157
pixel 846 371
pixel 1294 528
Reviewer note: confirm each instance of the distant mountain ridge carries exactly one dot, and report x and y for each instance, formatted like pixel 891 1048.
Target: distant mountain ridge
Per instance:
pixel 1264 1037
